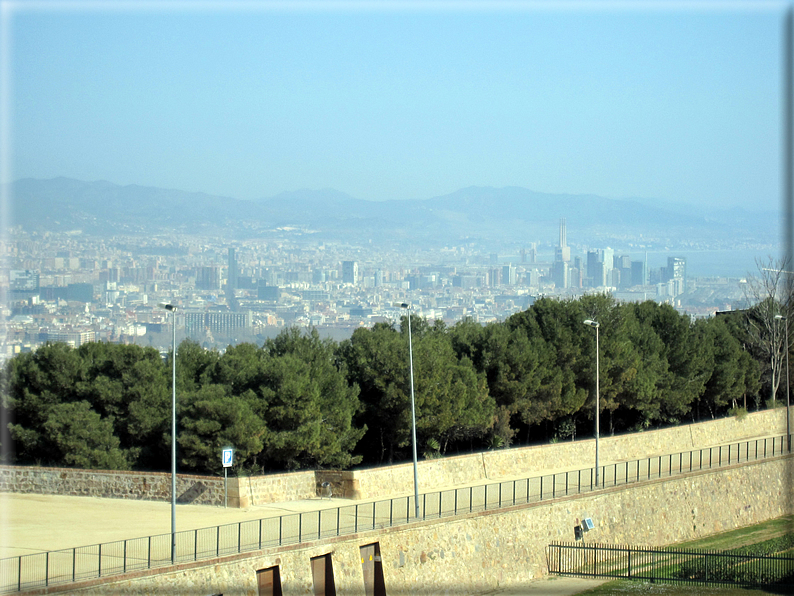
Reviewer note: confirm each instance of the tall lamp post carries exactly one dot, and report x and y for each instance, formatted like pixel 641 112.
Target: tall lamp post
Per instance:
pixel 594 324
pixel 788 402
pixel 407 306
pixel 172 308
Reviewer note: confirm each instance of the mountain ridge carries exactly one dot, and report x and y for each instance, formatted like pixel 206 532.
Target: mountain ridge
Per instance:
pixel 500 215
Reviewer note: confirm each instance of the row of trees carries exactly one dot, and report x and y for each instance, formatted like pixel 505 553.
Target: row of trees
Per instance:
pixel 301 401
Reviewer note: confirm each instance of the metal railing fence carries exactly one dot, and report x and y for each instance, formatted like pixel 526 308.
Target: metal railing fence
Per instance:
pixel 113 558
pixel 691 566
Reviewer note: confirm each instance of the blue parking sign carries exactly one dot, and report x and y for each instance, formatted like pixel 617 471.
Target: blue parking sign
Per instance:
pixel 227 458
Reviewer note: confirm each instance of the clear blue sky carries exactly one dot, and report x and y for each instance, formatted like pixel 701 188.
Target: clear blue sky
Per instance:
pixel 409 101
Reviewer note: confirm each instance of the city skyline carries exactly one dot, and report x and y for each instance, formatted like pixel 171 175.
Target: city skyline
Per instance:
pixel 403 100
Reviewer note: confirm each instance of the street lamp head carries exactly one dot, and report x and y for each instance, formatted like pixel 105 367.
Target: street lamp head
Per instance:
pixel 171 307
pixel 780 317
pixel 591 323
pixel 402 305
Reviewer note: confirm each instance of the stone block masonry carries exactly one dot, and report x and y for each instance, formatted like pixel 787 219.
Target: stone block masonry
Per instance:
pixel 154 486
pixel 390 481
pixel 246 491
pixel 504 548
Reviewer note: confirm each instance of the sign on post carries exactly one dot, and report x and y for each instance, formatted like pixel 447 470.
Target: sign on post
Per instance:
pixel 227 459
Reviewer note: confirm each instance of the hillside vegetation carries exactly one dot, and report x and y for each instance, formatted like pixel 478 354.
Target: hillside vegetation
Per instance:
pixel 299 401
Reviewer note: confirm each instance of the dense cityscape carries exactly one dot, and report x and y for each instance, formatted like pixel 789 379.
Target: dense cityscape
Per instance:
pixel 75 289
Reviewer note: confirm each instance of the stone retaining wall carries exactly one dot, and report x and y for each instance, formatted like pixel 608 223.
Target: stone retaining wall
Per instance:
pixel 390 481
pixel 386 482
pixel 276 488
pixel 156 486
pixel 497 549
pixel 153 486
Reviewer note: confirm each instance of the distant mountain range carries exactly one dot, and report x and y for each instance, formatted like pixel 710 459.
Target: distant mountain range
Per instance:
pixel 492 216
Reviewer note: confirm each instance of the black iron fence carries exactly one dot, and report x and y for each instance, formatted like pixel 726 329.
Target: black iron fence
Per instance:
pixel 113 558
pixel 691 566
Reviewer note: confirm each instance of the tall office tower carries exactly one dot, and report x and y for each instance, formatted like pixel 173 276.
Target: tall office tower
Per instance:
pixel 523 255
pixel 608 258
pixel 509 275
pixel 350 272
pixel 563 251
pixel 676 269
pixel 596 272
pixel 231 277
pixel 639 273
pixel 560 274
pixel 623 266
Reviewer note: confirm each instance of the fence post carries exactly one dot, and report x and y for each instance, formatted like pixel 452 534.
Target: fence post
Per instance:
pixel 355 525
pixel 47 566
pixel 280 520
pixel 260 533
pixel 125 556
pixel 239 533
pixel 99 569
pixel 218 541
pixel 339 512
pixel 195 541
pixel 320 522
pixel 74 562
pixel 629 571
pixel 149 555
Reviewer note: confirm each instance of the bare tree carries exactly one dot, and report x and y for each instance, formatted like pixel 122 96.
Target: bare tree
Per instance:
pixel 769 297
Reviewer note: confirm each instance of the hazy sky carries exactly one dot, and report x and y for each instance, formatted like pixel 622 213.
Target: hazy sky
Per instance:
pixel 400 100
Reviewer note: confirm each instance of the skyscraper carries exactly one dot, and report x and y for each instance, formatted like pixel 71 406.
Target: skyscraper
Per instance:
pixel 563 251
pixel 350 272
pixel 231 277
pixel 676 269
